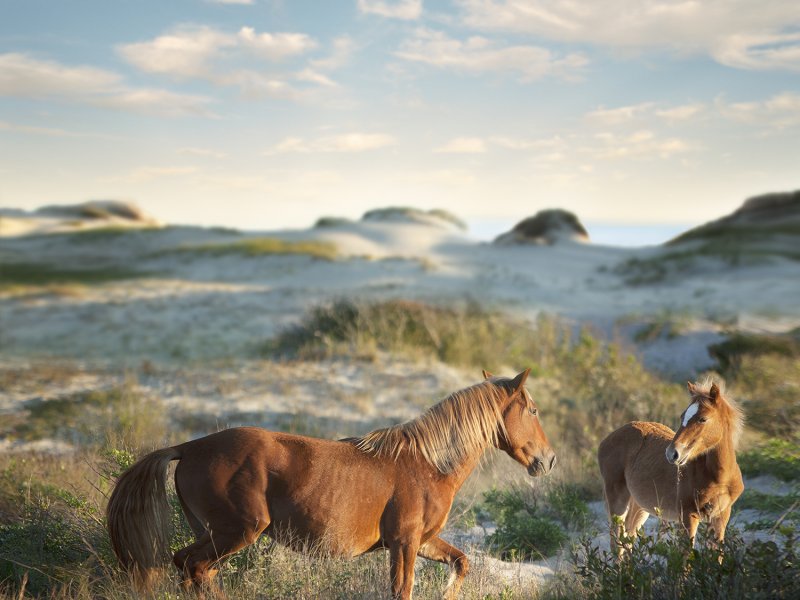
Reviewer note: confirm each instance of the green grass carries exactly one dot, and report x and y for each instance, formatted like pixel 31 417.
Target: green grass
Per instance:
pixel 31 274
pixel 265 246
pixel 770 503
pixel 777 457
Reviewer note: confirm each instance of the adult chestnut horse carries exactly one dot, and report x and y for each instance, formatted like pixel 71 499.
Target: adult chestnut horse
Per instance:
pixel 391 488
pixel 683 476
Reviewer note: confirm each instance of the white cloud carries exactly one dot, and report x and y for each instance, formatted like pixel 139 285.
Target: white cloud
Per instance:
pixel 463 145
pixel 643 144
pixel 191 52
pixel 732 31
pixel 760 52
pixel 680 113
pixel 622 114
pixel 479 54
pixel 226 60
pixel 644 111
pixel 781 111
pixel 343 49
pixel 22 75
pixel 399 9
pixel 348 142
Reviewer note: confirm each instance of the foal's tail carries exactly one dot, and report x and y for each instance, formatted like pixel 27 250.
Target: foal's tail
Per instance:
pixel 138 515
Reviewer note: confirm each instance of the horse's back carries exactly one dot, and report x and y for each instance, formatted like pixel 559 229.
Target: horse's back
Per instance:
pixel 621 447
pixel 635 453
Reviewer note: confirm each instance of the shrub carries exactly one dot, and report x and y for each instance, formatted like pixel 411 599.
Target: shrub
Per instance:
pixel 525 529
pixel 660 567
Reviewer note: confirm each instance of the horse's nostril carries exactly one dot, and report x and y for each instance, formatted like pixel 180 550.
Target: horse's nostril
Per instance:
pixel 672 455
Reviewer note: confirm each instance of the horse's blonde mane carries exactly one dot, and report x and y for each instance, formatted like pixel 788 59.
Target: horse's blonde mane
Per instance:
pixel 734 413
pixel 465 422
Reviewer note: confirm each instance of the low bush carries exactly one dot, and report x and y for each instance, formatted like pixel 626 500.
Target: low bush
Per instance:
pixel 665 566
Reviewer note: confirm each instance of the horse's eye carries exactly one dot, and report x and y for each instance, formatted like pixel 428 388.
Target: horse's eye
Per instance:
pixel 702 419
pixel 533 411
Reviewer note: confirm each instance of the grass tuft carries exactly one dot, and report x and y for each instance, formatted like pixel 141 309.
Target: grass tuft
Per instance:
pixel 264 246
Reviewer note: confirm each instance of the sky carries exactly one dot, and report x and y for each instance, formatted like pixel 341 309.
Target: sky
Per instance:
pixel 267 114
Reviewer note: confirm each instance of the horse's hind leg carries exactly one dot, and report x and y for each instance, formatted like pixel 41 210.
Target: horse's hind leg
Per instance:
pixel 439 550
pixel 199 562
pixel 617 497
pixel 635 518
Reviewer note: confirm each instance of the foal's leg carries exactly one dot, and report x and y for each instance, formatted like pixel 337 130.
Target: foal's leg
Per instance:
pixel 617 499
pixel 439 550
pixel 690 522
pixel 635 518
pixel 719 523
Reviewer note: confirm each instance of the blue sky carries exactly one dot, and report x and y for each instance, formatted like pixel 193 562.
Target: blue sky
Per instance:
pixel 267 113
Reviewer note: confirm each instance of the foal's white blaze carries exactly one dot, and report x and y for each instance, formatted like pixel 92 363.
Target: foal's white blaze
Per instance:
pixel 690 412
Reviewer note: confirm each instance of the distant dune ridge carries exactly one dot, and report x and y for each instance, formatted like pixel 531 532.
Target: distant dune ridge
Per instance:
pixel 59 218
pixel 546 227
pixel 776 213
pixel 400 214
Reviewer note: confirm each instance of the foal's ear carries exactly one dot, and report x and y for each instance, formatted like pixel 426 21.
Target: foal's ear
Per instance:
pixel 486 374
pixel 691 387
pixel 713 393
pixel 520 379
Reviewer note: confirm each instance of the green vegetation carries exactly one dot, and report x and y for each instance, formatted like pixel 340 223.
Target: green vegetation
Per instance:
pixel 53 542
pixel 529 526
pixel 683 260
pixel 777 457
pixel 15 275
pixel 261 247
pixel 739 345
pixel 665 566
pixel 120 415
pixel 768 503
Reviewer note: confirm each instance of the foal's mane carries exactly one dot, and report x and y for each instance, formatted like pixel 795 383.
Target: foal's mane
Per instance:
pixel 466 421
pixel 730 410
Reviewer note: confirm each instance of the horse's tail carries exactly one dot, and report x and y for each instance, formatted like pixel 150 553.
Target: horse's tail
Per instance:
pixel 138 515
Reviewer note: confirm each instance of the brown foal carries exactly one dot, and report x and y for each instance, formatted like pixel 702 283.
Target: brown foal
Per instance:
pixel 392 488
pixel 682 476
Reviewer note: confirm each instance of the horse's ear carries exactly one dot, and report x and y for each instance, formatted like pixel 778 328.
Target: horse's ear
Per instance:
pixel 520 379
pixel 486 374
pixel 691 387
pixel 713 393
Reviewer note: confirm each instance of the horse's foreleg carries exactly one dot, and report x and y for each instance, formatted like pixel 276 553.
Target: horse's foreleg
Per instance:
pixel 690 523
pixel 439 550
pixel 402 557
pixel 719 523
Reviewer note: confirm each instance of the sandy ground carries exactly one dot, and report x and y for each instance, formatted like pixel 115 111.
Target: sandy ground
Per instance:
pixel 194 306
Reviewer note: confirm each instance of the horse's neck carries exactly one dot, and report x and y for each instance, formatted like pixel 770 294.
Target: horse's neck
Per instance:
pixel 458 476
pixel 720 462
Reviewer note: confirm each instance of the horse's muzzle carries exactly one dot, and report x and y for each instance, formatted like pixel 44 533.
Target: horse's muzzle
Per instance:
pixel 673 456
pixel 543 465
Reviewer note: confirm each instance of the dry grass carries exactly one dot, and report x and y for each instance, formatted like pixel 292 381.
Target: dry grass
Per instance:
pixel 264 246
